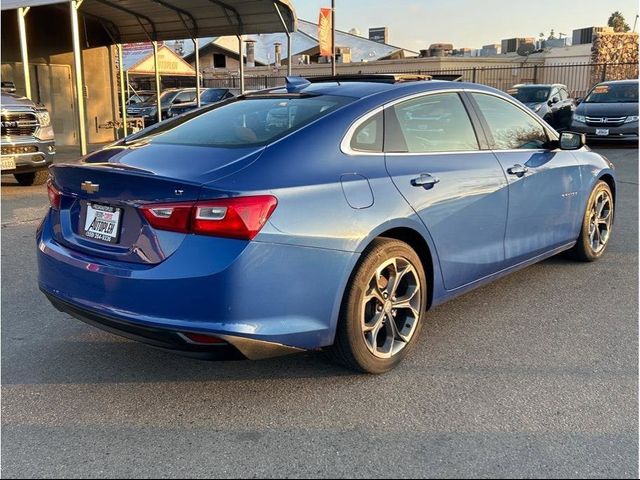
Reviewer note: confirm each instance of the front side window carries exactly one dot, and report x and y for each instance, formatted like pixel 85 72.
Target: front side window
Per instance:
pixel 213 95
pixel 510 127
pixel 185 97
pixel 432 123
pixel 249 122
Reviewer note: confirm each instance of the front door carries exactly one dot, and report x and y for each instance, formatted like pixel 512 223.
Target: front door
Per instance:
pixel 459 191
pixel 544 185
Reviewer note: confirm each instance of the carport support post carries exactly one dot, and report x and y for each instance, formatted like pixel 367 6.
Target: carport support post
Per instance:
pixel 77 65
pixel 123 97
pixel 157 72
pixel 289 67
pixel 286 30
pixel 241 64
pixel 196 47
pixel 22 12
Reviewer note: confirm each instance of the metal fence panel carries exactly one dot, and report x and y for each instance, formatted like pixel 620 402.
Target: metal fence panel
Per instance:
pixel 578 77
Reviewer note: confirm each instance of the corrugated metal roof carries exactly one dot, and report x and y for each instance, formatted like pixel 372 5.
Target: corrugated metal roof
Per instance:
pixel 362 49
pixel 303 40
pixel 173 19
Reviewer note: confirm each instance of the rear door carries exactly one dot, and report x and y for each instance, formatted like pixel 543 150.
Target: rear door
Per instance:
pixel 436 159
pixel 544 205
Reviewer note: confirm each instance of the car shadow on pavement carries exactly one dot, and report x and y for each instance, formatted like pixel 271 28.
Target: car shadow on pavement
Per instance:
pixel 115 360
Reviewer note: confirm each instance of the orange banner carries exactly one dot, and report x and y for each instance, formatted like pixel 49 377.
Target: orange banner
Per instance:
pixel 324 32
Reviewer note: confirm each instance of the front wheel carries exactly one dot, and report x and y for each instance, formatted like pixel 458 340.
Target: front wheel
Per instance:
pixel 383 309
pixel 596 225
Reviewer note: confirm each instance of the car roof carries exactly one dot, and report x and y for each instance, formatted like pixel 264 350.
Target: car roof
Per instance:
pixel 357 89
pixel 524 85
pixel 620 82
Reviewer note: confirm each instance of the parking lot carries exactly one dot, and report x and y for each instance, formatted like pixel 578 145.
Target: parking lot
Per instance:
pixel 534 375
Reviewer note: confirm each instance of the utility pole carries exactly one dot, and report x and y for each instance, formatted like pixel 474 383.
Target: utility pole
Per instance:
pixel 333 37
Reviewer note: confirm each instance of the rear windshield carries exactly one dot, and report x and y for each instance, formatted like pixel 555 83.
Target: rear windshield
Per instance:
pixel 613 93
pixel 249 122
pixel 531 94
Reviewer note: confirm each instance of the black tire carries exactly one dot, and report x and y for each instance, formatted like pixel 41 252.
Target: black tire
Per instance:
pixel 584 250
pixel 32 178
pixel 352 348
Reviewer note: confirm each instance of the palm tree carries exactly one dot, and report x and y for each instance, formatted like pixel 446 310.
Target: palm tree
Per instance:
pixel 616 20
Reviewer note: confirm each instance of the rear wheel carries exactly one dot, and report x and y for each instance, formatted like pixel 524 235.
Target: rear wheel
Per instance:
pixel 596 225
pixel 383 309
pixel 32 178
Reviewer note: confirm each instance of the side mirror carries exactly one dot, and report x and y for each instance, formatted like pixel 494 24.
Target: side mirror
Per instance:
pixel 572 141
pixel 554 100
pixel 579 100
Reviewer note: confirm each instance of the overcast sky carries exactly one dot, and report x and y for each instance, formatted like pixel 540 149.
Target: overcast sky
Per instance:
pixel 414 24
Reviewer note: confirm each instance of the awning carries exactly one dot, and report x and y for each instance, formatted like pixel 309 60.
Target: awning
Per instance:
pixel 130 21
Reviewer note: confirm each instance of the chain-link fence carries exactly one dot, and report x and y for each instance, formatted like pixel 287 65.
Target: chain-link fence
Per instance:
pixel 578 77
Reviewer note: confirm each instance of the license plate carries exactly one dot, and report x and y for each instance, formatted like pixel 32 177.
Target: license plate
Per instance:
pixel 602 131
pixel 8 163
pixel 102 222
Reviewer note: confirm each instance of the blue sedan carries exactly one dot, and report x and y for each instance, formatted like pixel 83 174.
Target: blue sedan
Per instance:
pixel 330 214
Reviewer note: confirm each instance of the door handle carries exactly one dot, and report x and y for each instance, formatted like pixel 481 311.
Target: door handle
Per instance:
pixel 518 170
pixel 425 180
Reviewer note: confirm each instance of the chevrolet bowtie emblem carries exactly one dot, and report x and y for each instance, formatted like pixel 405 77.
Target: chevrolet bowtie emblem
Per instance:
pixel 89 187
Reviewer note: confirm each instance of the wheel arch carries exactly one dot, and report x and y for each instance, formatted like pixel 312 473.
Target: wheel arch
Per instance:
pixel 417 242
pixel 609 180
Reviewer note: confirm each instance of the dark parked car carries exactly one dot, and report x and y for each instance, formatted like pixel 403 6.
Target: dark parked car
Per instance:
pixel 169 98
pixel 609 111
pixel 331 214
pixel 207 97
pixel 552 102
pixel 140 96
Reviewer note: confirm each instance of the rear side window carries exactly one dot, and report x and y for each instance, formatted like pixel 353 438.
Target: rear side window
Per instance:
pixel 368 136
pixel 432 123
pixel 249 122
pixel 510 127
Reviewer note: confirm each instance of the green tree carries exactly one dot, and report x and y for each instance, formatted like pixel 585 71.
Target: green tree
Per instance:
pixel 616 20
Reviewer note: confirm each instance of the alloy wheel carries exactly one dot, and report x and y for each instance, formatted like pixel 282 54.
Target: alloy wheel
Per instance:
pixel 600 217
pixel 391 307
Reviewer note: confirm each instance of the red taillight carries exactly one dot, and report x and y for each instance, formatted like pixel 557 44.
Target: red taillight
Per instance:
pixel 54 195
pixel 169 216
pixel 240 217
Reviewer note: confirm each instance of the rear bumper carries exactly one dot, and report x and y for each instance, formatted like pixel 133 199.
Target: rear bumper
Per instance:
pixel 255 294
pixel 234 347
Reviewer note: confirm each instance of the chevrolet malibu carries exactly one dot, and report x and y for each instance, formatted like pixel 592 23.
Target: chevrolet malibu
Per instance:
pixel 321 215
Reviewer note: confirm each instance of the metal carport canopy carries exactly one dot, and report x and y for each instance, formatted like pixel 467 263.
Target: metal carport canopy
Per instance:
pixel 132 21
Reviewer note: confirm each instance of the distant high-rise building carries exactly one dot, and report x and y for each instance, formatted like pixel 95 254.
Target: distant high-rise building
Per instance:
pixel 490 50
pixel 379 34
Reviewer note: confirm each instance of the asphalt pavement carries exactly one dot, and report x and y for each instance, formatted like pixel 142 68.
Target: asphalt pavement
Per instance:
pixel 535 375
